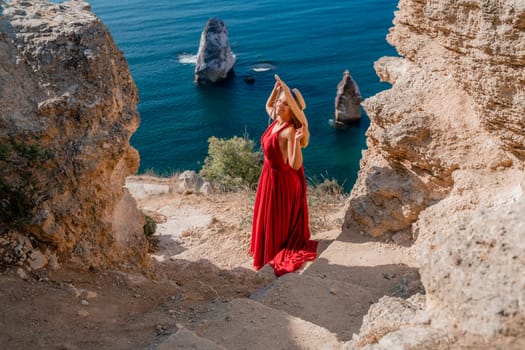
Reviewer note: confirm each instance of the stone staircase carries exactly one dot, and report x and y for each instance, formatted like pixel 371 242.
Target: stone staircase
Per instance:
pixel 319 307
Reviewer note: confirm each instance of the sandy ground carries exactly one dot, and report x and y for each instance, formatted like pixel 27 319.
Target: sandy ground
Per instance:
pixel 201 260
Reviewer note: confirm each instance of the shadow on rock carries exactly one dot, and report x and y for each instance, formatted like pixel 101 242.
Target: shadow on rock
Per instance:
pixel 367 285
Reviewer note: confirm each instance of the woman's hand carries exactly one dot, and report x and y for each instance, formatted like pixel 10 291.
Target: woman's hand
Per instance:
pixel 295 156
pixel 277 86
pixel 270 103
pixel 299 133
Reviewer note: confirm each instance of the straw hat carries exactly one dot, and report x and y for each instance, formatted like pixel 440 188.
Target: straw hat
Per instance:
pixel 296 103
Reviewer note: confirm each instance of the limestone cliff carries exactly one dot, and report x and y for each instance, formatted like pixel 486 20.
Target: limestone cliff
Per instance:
pixel 67 112
pixel 445 167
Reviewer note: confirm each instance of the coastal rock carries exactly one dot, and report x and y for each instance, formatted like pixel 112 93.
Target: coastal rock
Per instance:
pixel 68 110
pixel 347 101
pixel 36 259
pixel 475 279
pixel 190 182
pixel 215 59
pixel 445 162
pixel 480 44
pixel 249 79
pixel 385 316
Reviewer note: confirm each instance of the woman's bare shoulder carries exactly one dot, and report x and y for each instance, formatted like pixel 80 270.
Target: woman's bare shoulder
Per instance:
pixel 288 132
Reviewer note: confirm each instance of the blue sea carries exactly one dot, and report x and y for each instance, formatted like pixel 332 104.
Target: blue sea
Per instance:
pixel 308 44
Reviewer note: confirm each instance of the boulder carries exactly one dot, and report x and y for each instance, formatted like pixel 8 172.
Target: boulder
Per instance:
pixel 215 59
pixel 190 182
pixel 68 109
pixel 249 79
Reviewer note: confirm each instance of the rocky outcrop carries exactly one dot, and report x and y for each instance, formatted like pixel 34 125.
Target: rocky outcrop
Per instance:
pixel 387 315
pixel 67 112
pixel 347 101
pixel 215 59
pixel 445 168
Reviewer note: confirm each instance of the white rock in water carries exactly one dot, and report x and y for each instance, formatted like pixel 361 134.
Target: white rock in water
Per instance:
pixel 215 59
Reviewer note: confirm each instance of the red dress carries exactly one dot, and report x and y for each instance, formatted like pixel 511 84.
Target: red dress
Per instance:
pixel 280 231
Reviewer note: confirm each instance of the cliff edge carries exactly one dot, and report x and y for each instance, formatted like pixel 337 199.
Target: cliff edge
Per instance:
pixel 444 170
pixel 68 110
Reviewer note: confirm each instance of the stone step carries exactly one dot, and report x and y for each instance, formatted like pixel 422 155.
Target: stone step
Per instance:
pixel 371 265
pixel 357 250
pixel 334 305
pixel 184 339
pixel 324 239
pixel 243 324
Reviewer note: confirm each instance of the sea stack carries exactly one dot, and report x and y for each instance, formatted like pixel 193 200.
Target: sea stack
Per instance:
pixel 215 58
pixel 347 101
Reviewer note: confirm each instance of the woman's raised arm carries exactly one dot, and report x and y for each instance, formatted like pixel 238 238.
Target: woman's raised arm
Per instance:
pixel 270 103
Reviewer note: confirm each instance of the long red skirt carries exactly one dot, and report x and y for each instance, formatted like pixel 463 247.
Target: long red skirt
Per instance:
pixel 280 232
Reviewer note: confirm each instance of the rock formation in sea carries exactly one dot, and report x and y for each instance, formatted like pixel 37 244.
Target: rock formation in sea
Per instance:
pixel 445 169
pixel 67 112
pixel 347 101
pixel 215 59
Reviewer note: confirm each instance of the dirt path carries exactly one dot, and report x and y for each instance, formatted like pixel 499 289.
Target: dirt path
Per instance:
pixel 202 261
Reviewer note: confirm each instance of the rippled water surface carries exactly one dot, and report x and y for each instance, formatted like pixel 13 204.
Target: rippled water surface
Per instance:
pixel 308 43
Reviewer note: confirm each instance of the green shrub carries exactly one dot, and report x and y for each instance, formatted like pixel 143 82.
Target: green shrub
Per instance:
pixel 322 183
pixel 20 193
pixel 330 187
pixel 32 152
pixel 323 190
pixel 232 163
pixel 149 231
pixel 150 226
pixel 5 151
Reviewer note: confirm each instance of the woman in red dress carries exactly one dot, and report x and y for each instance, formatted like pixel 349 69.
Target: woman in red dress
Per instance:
pixel 280 232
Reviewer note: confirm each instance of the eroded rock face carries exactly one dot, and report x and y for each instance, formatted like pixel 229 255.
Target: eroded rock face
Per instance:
pixel 481 43
pixel 215 59
pixel 385 316
pixel 445 164
pixel 68 110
